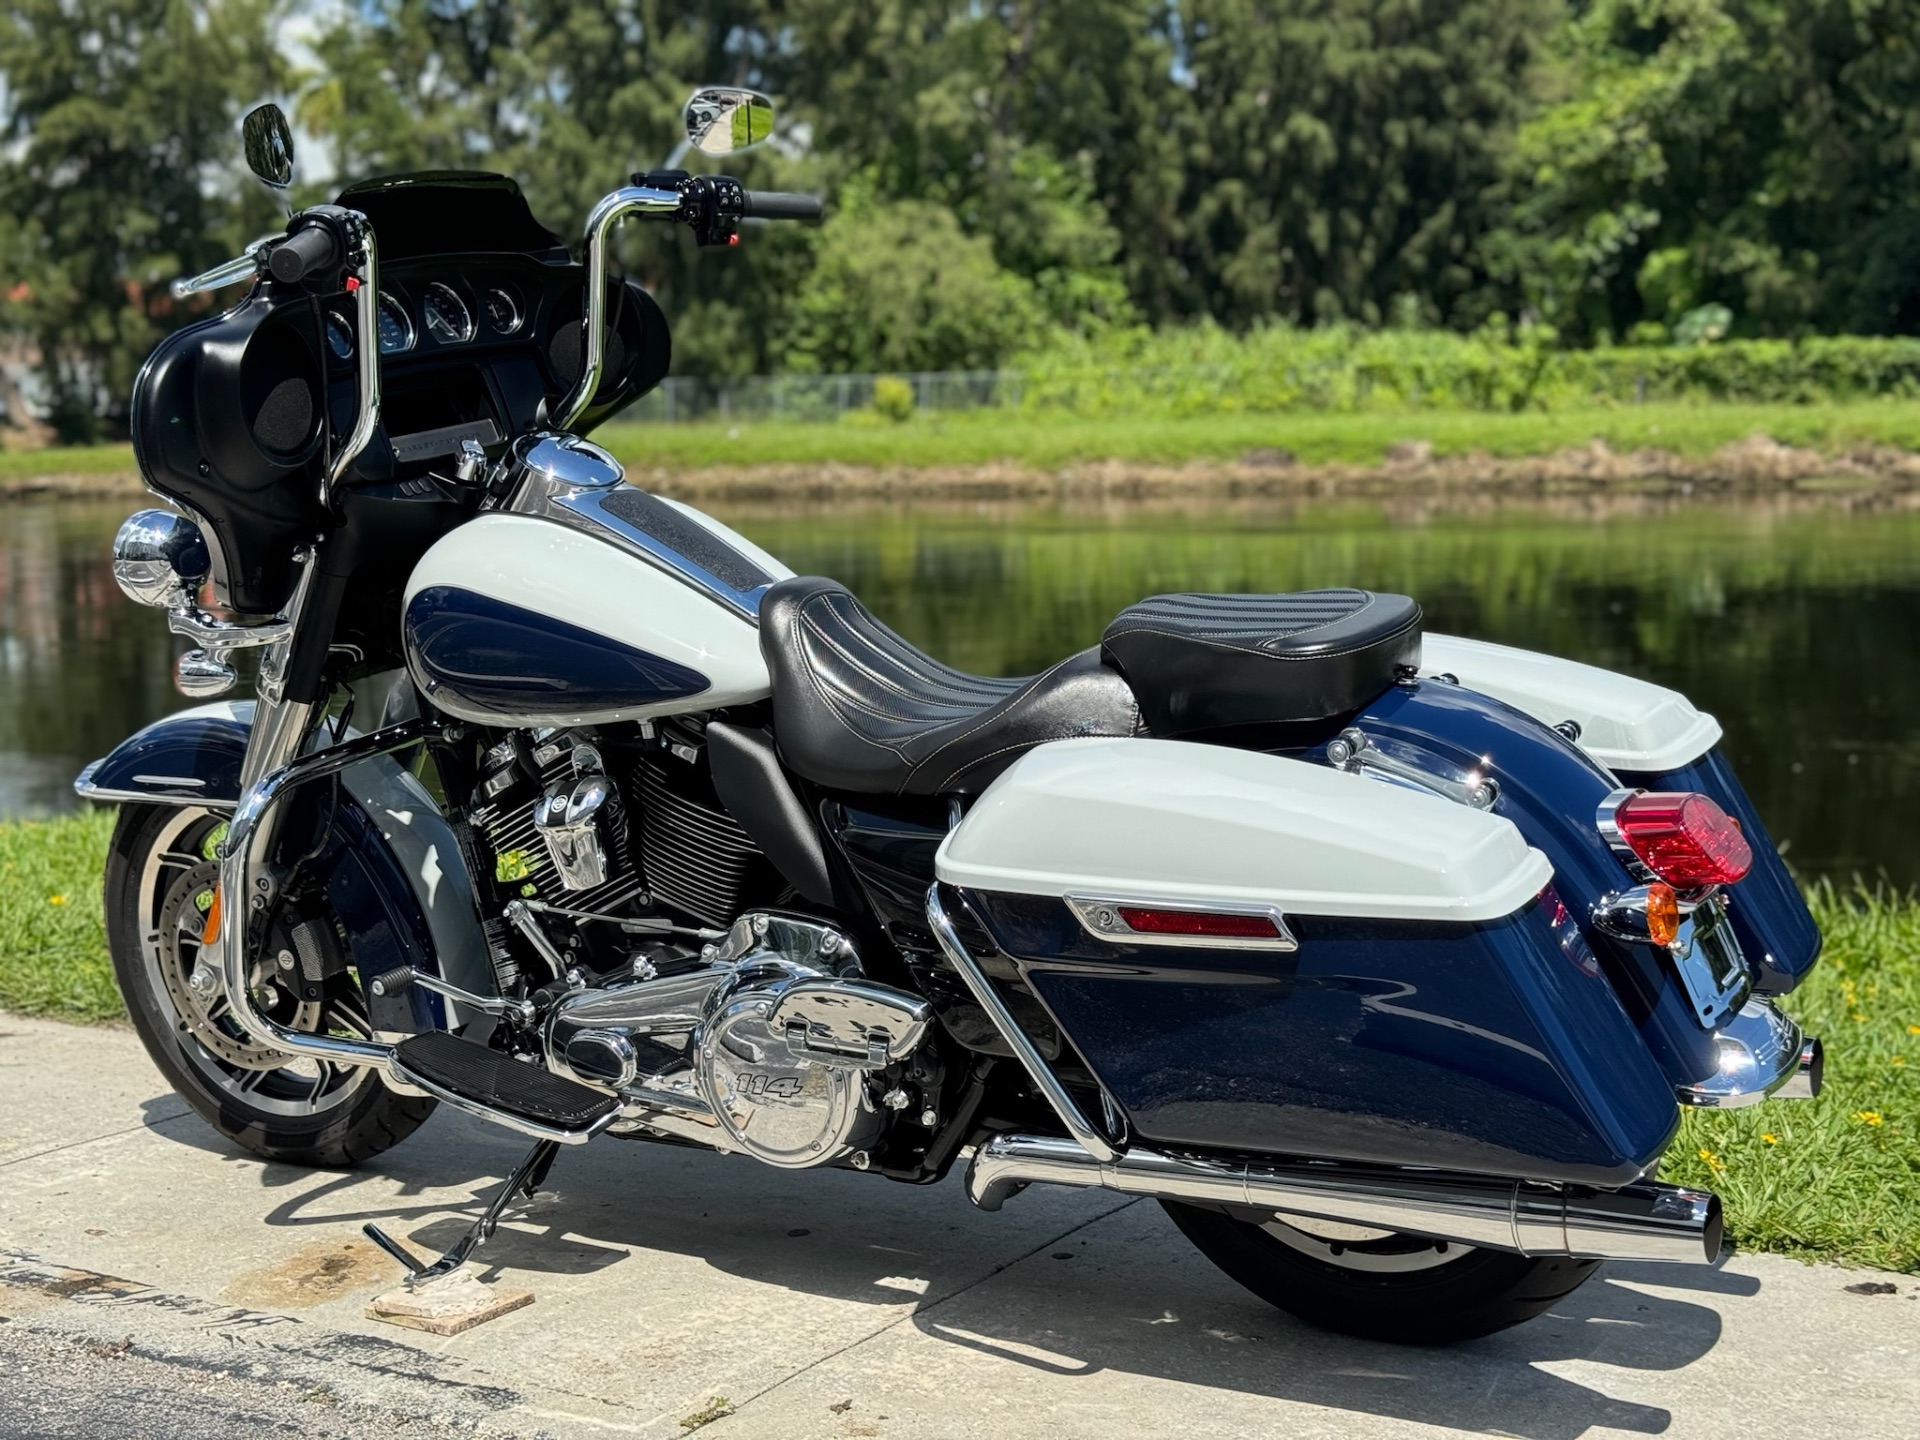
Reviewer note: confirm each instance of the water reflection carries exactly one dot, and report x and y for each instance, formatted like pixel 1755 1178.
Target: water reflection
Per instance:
pixel 1796 626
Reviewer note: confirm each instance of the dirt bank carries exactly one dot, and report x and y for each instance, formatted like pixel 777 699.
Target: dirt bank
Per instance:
pixel 1752 467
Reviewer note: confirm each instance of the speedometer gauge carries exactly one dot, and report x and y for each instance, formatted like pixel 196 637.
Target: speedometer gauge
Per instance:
pixel 503 311
pixel 396 326
pixel 448 319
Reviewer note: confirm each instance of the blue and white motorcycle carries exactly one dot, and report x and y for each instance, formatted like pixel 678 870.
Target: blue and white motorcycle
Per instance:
pixel 1385 961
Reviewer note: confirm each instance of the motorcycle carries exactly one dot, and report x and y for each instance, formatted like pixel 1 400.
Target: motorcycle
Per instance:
pixel 1386 961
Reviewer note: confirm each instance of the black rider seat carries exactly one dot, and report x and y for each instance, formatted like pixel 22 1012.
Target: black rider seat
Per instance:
pixel 1202 662
pixel 855 707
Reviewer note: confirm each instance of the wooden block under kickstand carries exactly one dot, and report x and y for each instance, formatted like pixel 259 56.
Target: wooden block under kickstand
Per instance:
pixel 447 1306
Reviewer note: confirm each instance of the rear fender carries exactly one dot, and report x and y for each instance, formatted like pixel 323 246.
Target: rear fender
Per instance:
pixel 393 867
pixel 1650 738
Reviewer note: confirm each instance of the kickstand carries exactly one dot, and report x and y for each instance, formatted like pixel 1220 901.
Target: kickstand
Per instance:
pixel 527 1176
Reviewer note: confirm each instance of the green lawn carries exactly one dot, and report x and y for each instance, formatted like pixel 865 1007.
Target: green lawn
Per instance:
pixel 1047 441
pixel 1837 1179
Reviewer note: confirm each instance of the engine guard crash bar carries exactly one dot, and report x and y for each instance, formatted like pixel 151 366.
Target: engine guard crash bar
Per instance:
pixel 1637 1222
pixel 243 857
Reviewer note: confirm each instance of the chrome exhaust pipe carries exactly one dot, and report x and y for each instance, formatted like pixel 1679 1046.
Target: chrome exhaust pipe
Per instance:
pixel 1636 1222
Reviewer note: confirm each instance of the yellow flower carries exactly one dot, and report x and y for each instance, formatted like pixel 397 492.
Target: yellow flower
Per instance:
pixel 1714 1162
pixel 1899 1059
pixel 1771 1139
pixel 1867 1117
pixel 1857 1018
pixel 56 899
pixel 1913 1029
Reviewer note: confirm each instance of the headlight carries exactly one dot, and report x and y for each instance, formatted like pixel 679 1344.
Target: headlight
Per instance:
pixel 160 558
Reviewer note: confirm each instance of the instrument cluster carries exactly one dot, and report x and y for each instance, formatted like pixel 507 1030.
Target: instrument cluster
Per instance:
pixel 434 314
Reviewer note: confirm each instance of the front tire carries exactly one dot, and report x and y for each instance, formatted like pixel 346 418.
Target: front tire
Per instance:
pixel 159 884
pixel 1377 1285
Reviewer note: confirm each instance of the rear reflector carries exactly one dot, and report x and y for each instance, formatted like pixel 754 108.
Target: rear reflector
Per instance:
pixel 1199 922
pixel 1685 839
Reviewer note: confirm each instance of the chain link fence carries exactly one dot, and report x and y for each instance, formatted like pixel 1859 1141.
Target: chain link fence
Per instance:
pixel 819 397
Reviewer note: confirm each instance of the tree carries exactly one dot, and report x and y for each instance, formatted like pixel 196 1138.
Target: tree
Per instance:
pixel 1349 152
pixel 897 285
pixel 1760 156
pixel 119 171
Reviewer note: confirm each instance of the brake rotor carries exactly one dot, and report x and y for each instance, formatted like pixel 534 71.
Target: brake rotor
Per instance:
pixel 183 919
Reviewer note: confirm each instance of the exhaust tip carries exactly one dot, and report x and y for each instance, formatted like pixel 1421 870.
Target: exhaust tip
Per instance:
pixel 1713 1231
pixel 1804 1083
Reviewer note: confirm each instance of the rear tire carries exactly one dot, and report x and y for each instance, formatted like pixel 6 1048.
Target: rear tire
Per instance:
pixel 159 873
pixel 1398 1288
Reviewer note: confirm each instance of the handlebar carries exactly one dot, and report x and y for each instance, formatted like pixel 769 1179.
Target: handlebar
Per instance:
pixel 782 205
pixel 303 253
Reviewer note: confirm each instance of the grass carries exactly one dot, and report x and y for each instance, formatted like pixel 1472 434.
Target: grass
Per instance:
pixel 1835 1179
pixel 53 940
pixel 65 460
pixel 1838 1179
pixel 1047 441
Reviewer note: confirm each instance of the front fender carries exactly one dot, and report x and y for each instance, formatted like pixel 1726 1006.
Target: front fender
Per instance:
pixel 397 882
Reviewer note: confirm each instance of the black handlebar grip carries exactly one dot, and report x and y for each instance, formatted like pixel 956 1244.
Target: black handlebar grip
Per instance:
pixel 302 253
pixel 782 205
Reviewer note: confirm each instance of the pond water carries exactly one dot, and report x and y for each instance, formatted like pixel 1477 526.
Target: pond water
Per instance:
pixel 1798 625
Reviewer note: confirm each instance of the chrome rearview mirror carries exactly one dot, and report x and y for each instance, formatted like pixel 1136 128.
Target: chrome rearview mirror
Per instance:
pixel 724 121
pixel 268 140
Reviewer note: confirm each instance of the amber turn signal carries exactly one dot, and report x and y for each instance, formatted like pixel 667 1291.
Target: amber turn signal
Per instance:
pixel 1663 914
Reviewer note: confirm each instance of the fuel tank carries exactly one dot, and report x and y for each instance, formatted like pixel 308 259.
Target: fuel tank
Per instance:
pixel 588 602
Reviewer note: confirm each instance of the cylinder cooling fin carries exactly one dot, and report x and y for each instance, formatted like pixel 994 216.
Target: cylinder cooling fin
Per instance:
pixel 696 857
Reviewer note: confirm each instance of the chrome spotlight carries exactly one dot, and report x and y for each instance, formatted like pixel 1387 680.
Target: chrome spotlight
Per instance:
pixel 161 559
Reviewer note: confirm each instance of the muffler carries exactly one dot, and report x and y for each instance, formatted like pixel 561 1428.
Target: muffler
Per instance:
pixel 1636 1222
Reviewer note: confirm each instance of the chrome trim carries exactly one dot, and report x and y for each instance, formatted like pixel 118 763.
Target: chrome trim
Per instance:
pixel 1358 753
pixel 533 1128
pixel 84 787
pixel 1712 968
pixel 1100 916
pixel 1091 1142
pixel 1763 1054
pixel 160 558
pixel 365 259
pixel 1609 829
pixel 1637 1222
pixel 632 200
pixel 568 480
pixel 241 267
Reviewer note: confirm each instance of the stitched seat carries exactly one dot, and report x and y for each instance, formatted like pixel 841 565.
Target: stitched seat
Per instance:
pixel 855 707
pixel 1200 662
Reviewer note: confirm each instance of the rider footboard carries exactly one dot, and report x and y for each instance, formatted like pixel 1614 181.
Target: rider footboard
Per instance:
pixel 1259 954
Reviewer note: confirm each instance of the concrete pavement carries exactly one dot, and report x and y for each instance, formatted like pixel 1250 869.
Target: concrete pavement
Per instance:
pixel 140 1254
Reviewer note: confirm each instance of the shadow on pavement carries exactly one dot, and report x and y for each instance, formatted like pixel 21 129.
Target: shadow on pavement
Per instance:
pixel 1138 1300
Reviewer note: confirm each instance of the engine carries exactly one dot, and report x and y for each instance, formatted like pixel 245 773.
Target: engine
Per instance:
pixel 774 1045
pixel 620 823
pixel 764 1037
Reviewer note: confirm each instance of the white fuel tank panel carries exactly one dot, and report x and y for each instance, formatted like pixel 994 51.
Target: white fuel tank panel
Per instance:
pixel 512 620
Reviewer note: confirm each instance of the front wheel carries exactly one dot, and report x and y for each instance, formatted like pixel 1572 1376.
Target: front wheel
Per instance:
pixel 1377 1284
pixel 161 876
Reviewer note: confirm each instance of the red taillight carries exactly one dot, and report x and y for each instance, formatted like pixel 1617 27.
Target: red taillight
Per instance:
pixel 1198 922
pixel 1685 839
